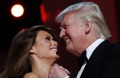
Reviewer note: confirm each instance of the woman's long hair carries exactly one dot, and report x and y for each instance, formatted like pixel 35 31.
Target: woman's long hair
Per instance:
pixel 18 63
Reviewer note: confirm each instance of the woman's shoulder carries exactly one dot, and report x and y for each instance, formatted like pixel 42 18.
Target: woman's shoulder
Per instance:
pixel 30 75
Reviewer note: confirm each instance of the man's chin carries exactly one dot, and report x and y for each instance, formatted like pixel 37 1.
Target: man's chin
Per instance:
pixel 69 49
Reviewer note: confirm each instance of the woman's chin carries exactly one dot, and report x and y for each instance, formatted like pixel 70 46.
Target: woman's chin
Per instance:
pixel 56 58
pixel 53 60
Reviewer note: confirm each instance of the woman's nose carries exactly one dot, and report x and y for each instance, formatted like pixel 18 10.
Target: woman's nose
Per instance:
pixel 55 44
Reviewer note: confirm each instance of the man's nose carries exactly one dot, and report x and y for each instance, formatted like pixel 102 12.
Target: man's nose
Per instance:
pixel 62 33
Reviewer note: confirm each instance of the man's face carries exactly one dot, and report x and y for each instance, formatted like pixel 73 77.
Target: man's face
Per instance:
pixel 73 33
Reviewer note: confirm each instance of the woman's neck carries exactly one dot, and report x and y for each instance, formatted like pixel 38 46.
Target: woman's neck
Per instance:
pixel 41 68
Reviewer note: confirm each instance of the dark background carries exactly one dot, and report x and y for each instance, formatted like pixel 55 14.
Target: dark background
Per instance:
pixel 10 25
pixel 33 15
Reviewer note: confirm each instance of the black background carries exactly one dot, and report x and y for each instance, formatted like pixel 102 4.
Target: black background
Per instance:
pixel 10 25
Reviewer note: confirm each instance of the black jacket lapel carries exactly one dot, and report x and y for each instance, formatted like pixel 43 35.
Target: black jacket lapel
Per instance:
pixel 97 55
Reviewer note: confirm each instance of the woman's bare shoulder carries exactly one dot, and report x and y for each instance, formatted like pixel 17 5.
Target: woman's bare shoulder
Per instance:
pixel 31 75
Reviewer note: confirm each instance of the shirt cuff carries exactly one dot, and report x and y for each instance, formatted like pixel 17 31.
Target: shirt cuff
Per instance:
pixel 67 76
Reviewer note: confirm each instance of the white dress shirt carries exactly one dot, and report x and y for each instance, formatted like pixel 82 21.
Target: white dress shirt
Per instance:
pixel 89 52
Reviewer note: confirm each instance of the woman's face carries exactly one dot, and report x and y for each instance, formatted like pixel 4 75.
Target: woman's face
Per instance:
pixel 45 46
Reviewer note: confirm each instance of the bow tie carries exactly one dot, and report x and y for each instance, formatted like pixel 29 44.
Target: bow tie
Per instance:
pixel 82 58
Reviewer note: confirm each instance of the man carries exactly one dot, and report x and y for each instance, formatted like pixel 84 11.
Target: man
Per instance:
pixel 84 30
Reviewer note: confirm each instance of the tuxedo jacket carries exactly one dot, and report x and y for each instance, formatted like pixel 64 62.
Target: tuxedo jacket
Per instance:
pixel 104 62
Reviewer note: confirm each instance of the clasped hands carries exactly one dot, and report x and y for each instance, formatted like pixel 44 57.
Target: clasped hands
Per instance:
pixel 57 71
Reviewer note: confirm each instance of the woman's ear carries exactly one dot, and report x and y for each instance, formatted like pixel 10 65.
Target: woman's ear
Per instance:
pixel 32 51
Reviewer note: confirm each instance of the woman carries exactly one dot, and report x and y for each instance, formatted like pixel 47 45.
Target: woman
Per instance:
pixel 31 54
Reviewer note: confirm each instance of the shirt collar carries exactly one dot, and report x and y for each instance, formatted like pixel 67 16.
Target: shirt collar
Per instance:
pixel 93 46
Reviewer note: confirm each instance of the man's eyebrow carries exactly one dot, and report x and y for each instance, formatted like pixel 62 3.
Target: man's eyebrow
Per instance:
pixel 64 25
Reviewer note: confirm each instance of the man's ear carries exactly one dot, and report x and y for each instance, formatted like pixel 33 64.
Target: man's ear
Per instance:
pixel 88 26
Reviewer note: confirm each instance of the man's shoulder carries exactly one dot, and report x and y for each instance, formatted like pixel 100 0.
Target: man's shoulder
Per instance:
pixel 116 46
pixel 114 50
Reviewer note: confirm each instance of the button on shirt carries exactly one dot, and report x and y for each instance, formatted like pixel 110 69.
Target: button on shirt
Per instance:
pixel 89 52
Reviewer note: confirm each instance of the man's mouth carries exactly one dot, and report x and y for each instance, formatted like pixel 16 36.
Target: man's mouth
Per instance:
pixel 67 40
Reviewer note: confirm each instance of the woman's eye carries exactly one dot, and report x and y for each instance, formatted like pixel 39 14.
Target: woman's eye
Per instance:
pixel 47 38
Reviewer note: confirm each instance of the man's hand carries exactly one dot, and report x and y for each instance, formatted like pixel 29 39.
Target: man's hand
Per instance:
pixel 58 72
